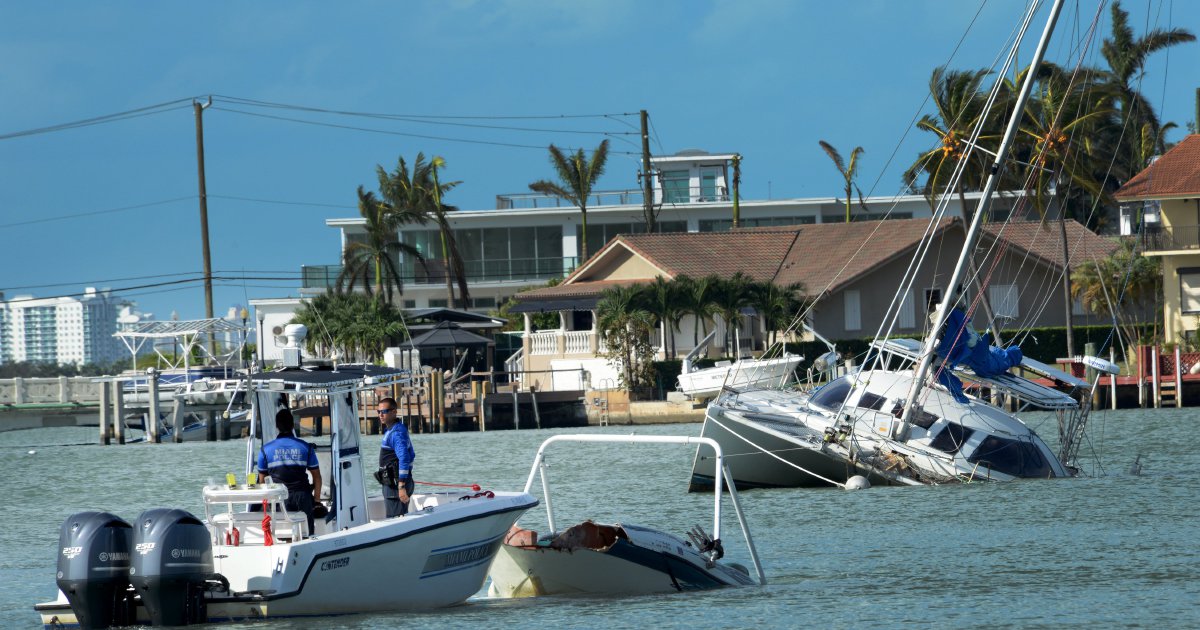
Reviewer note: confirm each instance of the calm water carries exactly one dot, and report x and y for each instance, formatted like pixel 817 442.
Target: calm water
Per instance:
pixel 1109 550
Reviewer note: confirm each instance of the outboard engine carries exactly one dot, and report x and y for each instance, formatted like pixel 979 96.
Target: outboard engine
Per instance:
pixel 172 560
pixel 93 569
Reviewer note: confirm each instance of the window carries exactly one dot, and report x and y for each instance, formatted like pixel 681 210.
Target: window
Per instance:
pixel 853 305
pixel 1189 289
pixel 871 401
pixel 952 438
pixel 708 185
pixel 1004 300
pixel 933 297
pixel 832 395
pixel 675 187
pixel 1016 458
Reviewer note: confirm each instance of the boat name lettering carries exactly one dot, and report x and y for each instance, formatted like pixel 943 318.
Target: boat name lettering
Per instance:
pixel 145 548
pixel 71 552
pixel 336 563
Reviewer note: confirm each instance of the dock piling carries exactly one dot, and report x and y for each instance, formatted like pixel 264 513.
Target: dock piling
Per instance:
pixel 118 402
pixel 153 433
pixel 105 414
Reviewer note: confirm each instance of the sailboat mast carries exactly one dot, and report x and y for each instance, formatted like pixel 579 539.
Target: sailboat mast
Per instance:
pixel 985 202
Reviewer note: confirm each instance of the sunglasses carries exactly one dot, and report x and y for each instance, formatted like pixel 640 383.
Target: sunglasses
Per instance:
pixel 383 411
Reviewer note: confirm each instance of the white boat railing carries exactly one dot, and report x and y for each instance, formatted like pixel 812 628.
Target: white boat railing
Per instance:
pixel 724 479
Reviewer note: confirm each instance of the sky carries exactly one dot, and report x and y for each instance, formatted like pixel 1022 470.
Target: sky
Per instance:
pixel 487 85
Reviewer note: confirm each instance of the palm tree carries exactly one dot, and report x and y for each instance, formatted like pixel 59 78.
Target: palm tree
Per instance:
pixel 848 171
pixel 696 299
pixel 417 198
pixel 1120 286
pixel 959 101
pixel 737 184
pixel 776 305
pixel 662 300
pixel 1126 55
pixel 373 261
pixel 350 325
pixel 626 324
pixel 576 176
pixel 730 295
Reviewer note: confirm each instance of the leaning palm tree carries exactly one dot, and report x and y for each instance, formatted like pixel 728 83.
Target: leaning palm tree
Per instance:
pixel 849 172
pixel 373 262
pixel 959 100
pixel 1126 55
pixel 576 176
pixel 417 198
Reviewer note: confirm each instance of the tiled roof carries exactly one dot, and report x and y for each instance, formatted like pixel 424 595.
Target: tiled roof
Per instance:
pixel 830 255
pixel 582 289
pixel 1044 240
pixel 754 252
pixel 822 257
pixel 1175 174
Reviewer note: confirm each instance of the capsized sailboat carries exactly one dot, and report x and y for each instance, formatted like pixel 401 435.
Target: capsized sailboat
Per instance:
pixel 591 558
pixel 902 419
pixel 169 567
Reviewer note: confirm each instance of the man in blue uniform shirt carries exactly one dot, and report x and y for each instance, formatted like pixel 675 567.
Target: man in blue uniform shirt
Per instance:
pixel 395 460
pixel 290 461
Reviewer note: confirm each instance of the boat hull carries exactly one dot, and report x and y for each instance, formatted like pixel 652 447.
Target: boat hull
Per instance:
pixel 762 457
pixel 646 562
pixel 435 558
pixel 707 383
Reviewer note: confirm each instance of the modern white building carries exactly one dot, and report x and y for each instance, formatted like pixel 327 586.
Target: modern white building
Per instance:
pixel 530 239
pixel 62 329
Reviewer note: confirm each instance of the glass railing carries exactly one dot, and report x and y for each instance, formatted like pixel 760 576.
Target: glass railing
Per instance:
pixel 1173 237
pixel 514 269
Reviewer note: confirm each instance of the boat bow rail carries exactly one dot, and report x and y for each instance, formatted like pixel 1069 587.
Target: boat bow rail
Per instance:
pixel 722 480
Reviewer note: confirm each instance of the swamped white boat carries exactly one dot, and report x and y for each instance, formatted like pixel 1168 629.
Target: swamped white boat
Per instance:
pixel 706 383
pixel 592 558
pixel 169 567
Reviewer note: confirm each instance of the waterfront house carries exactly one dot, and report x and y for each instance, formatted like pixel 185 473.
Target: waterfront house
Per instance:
pixel 852 271
pixel 1167 197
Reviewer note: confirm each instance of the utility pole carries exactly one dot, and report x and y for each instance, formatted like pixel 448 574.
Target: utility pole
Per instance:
pixel 208 300
pixel 647 189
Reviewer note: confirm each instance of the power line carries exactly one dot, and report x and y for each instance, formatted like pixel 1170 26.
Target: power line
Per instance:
pixel 339 206
pixel 388 132
pixel 297 274
pixel 107 118
pixel 247 101
pixel 151 286
pixel 97 212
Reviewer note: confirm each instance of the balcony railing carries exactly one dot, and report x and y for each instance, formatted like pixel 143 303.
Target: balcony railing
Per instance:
pixel 1170 238
pixel 528 201
pixel 325 276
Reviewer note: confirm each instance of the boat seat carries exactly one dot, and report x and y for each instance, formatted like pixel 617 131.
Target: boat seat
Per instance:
pixel 285 526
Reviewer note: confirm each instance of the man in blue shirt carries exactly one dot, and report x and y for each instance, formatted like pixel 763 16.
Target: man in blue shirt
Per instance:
pixel 395 460
pixel 290 461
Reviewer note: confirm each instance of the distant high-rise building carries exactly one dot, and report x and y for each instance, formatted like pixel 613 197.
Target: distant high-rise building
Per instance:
pixel 61 329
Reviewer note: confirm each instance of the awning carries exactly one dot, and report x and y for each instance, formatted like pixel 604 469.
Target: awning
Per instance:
pixel 447 335
pixel 561 304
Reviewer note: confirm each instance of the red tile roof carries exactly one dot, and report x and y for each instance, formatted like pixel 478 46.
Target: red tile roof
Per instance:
pixel 1176 174
pixel 1044 240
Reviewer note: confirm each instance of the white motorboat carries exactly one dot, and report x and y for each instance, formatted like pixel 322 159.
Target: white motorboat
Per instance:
pixel 169 567
pixel 592 558
pixel 704 384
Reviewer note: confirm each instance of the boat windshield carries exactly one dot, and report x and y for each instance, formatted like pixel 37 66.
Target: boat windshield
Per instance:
pixel 952 438
pixel 1013 457
pixel 833 394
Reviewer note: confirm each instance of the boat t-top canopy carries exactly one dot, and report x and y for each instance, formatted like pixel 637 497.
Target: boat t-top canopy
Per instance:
pixel 190 334
pixel 329 380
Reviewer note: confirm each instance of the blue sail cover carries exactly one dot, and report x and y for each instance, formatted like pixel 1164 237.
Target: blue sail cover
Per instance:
pixel 961 345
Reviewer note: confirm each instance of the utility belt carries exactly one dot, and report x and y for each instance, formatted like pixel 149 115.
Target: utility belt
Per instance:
pixel 388 476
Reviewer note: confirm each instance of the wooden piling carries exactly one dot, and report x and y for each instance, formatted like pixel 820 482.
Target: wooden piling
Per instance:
pixel 153 432
pixel 118 391
pixel 105 414
pixel 177 418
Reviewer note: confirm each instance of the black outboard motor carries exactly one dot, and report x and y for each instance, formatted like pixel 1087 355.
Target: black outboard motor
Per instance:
pixel 93 569
pixel 172 559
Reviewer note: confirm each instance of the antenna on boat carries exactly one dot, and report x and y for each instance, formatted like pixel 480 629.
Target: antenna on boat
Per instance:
pixel 985 201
